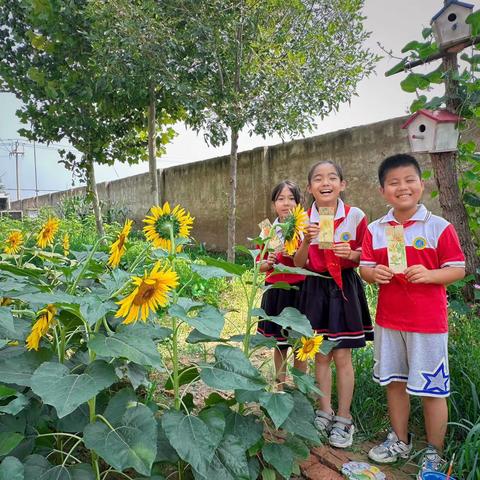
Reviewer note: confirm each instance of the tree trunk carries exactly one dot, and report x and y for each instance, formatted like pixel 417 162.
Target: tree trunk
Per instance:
pixel 232 196
pixel 445 171
pixel 92 190
pixel 152 150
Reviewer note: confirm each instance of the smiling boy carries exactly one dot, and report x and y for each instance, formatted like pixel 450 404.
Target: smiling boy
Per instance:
pixel 411 332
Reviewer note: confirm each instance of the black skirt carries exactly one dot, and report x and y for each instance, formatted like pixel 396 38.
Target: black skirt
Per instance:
pixel 274 301
pixel 343 318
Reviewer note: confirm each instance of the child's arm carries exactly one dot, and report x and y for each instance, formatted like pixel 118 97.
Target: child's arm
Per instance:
pixel 379 274
pixel 301 256
pixel 267 263
pixel 440 276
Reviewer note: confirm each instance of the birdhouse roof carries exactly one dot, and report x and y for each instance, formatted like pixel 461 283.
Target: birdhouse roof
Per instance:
pixel 452 2
pixel 439 116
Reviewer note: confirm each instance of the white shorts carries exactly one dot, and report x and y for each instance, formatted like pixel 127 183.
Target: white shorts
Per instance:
pixel 418 359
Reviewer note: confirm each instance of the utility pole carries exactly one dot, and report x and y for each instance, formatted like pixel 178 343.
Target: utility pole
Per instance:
pixel 15 151
pixel 36 178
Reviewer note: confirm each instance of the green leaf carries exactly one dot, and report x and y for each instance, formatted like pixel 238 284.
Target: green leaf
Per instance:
pixel 6 320
pixel 11 469
pixel 165 451
pixel 207 271
pixel 280 268
pixel 190 437
pixel 215 398
pixel 247 428
pixel 187 374
pixel 300 420
pixel 93 308
pixel 268 474
pixel 413 45
pixel 471 199
pixel 278 405
pixel 229 462
pixel 131 444
pixel 16 405
pixel 474 20
pixel 414 81
pixel 289 318
pixel 231 370
pixel 304 382
pixel 436 76
pixel 209 320
pixel 6 392
pixel 8 441
pixel 19 369
pixel 427 174
pixel 188 304
pixel 37 467
pixel 215 420
pixel 196 337
pixel 228 267
pixel 256 340
pixel 280 457
pixel 24 271
pixel 418 104
pixel 298 447
pixel 65 391
pixel 399 67
pixel 426 32
pixel 129 345
pixel 137 374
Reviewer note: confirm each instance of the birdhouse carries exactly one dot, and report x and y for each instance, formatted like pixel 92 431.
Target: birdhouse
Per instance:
pixel 449 24
pixel 432 131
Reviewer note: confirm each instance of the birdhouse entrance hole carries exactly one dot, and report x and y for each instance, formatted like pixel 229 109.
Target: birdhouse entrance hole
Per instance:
pixel 422 127
pixel 452 17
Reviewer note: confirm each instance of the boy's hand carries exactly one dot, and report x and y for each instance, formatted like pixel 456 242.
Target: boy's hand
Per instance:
pixel 382 274
pixel 342 250
pixel 312 232
pixel 419 274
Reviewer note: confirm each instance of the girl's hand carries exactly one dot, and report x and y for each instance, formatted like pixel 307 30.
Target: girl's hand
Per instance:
pixel 382 274
pixel 312 232
pixel 342 250
pixel 419 274
pixel 271 259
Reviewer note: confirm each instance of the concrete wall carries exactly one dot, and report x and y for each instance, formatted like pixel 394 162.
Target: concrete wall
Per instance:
pixel 202 187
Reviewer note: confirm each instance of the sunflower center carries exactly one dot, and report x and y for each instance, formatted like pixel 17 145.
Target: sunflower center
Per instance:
pixel 164 223
pixel 121 241
pixel 309 346
pixel 145 292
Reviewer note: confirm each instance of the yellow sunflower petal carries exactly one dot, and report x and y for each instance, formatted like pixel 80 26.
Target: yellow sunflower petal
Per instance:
pixel 310 347
pixel 13 242
pixel 47 233
pixel 118 248
pixel 45 318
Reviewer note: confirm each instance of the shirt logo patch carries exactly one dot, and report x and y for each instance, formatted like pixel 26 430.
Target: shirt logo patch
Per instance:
pixel 345 236
pixel 419 243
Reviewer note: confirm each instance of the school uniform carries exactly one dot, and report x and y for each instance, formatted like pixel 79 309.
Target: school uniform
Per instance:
pixel 274 300
pixel 337 306
pixel 411 332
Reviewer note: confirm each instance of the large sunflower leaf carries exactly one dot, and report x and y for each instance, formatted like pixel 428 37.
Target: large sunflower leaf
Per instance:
pixel 229 462
pixel 228 267
pixel 208 271
pixel 6 320
pixel 289 318
pixel 93 308
pixel 209 320
pixel 11 469
pixel 16 405
pixel 132 443
pixel 38 467
pixel 129 345
pixel 8 441
pixel 19 369
pixel 56 386
pixel 247 428
pixel 190 437
pixel 231 370
pixel 280 457
pixel 278 406
pixel 300 420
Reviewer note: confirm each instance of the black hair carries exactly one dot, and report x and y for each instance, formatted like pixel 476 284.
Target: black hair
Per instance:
pixel 293 187
pixel 395 161
pixel 337 167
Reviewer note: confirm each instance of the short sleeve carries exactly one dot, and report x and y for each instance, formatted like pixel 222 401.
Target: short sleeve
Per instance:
pixel 367 257
pixel 449 250
pixel 360 234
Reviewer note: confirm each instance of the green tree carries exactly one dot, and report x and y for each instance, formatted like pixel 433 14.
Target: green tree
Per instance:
pixel 133 45
pixel 45 51
pixel 270 66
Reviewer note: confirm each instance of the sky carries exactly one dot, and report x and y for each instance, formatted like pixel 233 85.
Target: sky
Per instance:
pixel 392 24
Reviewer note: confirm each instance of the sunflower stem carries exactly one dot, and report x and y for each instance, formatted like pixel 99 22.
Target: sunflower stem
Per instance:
pixel 172 241
pixel 176 376
pixel 140 257
pixel 62 343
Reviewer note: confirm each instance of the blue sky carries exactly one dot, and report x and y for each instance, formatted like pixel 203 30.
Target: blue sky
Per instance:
pixel 392 23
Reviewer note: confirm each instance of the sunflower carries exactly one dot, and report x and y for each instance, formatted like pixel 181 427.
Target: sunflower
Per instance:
pixel 13 242
pixel 47 233
pixel 149 294
pixel 158 224
pixel 118 247
pixel 295 224
pixel 66 244
pixel 310 346
pixel 45 319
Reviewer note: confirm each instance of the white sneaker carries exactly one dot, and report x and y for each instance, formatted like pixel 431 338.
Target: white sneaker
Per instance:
pixel 391 449
pixel 323 422
pixel 341 434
